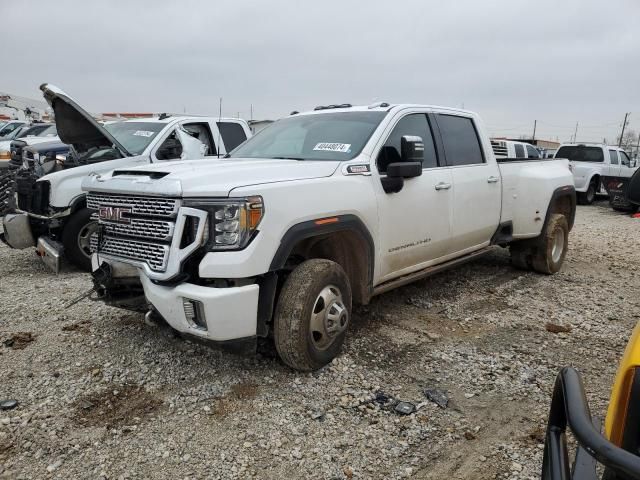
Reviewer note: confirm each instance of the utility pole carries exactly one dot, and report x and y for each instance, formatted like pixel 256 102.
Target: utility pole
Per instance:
pixel 575 134
pixel 624 124
pixel 533 139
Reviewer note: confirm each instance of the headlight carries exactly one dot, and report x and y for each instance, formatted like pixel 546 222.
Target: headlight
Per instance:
pixel 232 222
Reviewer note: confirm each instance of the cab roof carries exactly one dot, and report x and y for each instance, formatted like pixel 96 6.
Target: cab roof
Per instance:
pixel 379 107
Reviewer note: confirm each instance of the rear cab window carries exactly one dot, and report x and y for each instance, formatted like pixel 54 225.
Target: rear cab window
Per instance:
pixel 519 149
pixel 232 134
pixel 613 155
pixel 581 153
pixel 460 140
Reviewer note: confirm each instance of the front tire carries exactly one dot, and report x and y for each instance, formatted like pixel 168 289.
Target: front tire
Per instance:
pixel 312 315
pixel 552 246
pixel 76 238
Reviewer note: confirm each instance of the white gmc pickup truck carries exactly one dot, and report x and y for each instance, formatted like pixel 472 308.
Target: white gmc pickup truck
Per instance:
pixel 317 212
pixel 51 210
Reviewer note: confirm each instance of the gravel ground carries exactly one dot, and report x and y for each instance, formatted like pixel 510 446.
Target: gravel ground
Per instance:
pixel 101 394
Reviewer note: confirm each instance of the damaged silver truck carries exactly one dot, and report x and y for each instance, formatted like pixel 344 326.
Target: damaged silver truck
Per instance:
pixel 51 213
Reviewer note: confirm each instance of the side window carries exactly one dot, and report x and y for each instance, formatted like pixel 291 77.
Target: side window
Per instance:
pixel 232 134
pixel 171 148
pixel 624 159
pixel 532 152
pixel 202 132
pixel 519 150
pixel 613 155
pixel 460 140
pixel 413 124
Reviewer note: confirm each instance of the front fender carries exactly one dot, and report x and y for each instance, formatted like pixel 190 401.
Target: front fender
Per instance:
pixel 66 185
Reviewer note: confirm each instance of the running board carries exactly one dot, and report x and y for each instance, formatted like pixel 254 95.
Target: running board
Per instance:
pixel 427 272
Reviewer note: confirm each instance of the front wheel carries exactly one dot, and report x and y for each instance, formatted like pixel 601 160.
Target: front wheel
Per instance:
pixel 76 238
pixel 312 315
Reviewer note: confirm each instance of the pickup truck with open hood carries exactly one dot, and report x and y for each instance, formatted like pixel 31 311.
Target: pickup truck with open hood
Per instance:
pixel 318 212
pixel 51 211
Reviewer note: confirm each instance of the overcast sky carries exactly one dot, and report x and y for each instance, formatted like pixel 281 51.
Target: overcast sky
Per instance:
pixel 512 61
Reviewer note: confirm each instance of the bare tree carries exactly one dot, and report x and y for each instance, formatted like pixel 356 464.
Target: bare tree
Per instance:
pixel 629 141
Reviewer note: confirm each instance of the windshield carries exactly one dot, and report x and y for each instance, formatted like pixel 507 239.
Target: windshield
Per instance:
pixel 8 129
pixel 134 136
pixel 326 136
pixel 581 153
pixel 50 131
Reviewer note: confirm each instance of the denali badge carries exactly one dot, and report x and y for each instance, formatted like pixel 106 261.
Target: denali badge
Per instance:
pixel 114 214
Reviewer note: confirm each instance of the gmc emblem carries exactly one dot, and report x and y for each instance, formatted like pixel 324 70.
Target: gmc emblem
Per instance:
pixel 114 214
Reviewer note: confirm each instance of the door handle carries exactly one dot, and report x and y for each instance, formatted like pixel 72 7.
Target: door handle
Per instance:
pixel 493 179
pixel 443 186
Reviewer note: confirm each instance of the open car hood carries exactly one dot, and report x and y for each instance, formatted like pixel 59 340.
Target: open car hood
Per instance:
pixel 76 127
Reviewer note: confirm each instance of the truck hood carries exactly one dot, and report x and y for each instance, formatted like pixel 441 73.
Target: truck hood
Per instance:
pixel 75 125
pixel 207 178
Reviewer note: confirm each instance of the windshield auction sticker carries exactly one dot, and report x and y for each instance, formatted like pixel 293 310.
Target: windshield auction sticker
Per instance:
pixel 333 147
pixel 143 133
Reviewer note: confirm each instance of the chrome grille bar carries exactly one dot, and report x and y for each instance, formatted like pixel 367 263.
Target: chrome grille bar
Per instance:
pixel 153 254
pixel 140 227
pixel 150 206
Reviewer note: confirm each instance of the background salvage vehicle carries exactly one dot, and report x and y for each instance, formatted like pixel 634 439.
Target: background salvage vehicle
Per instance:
pixel 619 448
pixel 8 128
pixel 590 163
pixel 513 149
pixel 51 210
pixel 317 212
pixel 39 132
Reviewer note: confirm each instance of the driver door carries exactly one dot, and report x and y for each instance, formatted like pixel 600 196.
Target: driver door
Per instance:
pixel 414 223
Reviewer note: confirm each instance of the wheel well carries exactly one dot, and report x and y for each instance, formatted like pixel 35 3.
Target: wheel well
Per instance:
pixel 596 179
pixel 564 205
pixel 348 249
pixel 78 203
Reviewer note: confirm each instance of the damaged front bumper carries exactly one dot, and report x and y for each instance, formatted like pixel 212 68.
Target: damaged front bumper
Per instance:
pixel 209 313
pixel 17 231
pixel 22 231
pixel 118 284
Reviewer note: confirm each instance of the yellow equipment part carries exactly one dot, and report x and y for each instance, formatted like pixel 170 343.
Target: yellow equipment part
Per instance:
pixel 619 401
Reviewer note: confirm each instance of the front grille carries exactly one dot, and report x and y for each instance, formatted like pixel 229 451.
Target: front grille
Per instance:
pixel 499 148
pixel 140 227
pixel 154 255
pixel 150 206
pixel 7 191
pixel 32 196
pixel 144 232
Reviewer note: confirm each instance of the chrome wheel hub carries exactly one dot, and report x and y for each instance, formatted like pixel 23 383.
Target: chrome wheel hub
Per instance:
pixel 558 246
pixel 329 317
pixel 85 235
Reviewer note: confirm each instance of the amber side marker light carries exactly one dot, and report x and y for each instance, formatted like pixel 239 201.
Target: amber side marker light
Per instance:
pixel 324 221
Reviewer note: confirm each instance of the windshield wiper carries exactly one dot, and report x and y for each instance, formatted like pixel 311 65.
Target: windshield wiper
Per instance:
pixel 288 158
